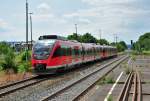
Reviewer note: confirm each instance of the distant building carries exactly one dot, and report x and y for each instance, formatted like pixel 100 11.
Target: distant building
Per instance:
pixel 20 46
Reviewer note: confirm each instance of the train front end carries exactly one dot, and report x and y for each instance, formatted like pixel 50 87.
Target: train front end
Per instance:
pixel 41 56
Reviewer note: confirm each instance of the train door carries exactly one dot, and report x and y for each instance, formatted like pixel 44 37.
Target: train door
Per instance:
pixel 82 52
pixel 57 57
pixel 104 52
pixel 64 57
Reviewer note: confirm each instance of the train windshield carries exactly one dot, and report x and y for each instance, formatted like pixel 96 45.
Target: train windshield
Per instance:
pixel 42 49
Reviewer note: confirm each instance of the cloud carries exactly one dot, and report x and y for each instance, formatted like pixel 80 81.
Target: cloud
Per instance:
pixel 4 26
pixel 124 17
pixel 43 6
pixel 103 2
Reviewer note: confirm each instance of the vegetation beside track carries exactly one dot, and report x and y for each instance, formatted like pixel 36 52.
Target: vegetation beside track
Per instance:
pixel 142 46
pixel 12 62
pixel 108 79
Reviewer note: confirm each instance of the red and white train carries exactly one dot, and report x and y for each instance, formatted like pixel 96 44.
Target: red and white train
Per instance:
pixel 53 53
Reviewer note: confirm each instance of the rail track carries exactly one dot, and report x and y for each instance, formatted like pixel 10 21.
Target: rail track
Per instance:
pixel 137 92
pixel 92 77
pixel 9 88
pixel 13 87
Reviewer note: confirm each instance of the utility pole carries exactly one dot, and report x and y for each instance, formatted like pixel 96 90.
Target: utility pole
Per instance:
pixel 100 34
pixel 27 46
pixel 115 38
pixel 31 27
pixel 76 28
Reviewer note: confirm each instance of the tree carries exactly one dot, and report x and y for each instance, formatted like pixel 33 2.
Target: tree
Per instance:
pixel 74 36
pixel 103 42
pixel 113 44
pixel 8 56
pixel 3 48
pixel 88 38
pixel 144 41
pixel 120 48
pixel 123 44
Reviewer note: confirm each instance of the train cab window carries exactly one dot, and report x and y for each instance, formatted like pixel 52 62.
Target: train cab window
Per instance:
pixel 42 49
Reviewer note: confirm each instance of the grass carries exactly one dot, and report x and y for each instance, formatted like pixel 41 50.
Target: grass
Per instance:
pixel 110 98
pixel 141 53
pixel 2 73
pixel 133 57
pixel 146 52
pixel 109 80
pixel 121 53
pixel 127 70
pixel 106 80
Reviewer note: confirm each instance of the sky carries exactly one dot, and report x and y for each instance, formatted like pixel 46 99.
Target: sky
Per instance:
pixel 128 19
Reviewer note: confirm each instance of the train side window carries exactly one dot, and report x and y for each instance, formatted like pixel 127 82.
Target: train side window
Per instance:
pixel 64 51
pixel 68 51
pixel 82 51
pixel 76 52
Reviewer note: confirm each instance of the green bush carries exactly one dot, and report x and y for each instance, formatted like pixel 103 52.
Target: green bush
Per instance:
pixel 1 68
pixel 21 68
pixel 24 67
pixel 146 52
pixel 12 61
pixel 23 57
pixel 9 59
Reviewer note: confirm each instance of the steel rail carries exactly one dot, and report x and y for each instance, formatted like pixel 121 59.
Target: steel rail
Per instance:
pixel 137 92
pixel 134 98
pixel 3 93
pixel 18 82
pixel 13 89
pixel 139 87
pixel 125 90
pixel 77 97
pixel 53 94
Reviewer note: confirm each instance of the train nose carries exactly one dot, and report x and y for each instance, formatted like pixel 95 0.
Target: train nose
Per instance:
pixel 40 67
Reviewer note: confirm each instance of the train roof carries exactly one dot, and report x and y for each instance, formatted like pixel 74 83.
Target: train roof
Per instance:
pixel 45 37
pixel 54 38
pixel 46 41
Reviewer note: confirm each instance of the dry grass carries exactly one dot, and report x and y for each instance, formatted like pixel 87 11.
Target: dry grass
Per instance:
pixel 12 77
